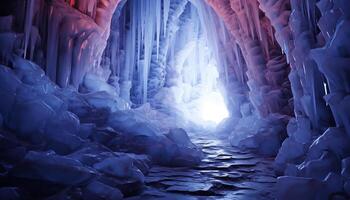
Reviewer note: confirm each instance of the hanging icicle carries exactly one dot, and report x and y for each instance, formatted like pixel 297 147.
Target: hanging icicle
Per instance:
pixel 158 24
pixel 255 10
pixel 28 25
pixel 166 8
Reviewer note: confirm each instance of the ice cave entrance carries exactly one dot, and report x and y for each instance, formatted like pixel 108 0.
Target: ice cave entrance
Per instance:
pixel 194 68
pixel 186 49
pixel 206 105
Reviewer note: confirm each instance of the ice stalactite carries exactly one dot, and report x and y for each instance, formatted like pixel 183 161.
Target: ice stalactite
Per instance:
pixel 252 31
pixel 52 38
pixel 195 62
pixel 75 41
pixel 87 7
pixel 157 72
pixel 145 45
pixel 210 29
pixel 166 8
pixel 240 64
pixel 28 24
pixel 158 24
pixel 149 30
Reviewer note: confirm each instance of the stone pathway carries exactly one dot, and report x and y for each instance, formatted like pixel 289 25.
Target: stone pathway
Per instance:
pixel 226 173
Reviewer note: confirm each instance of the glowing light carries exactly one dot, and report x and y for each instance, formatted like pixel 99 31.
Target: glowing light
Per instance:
pixel 212 108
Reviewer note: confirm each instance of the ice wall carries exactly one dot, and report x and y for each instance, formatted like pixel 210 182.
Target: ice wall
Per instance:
pixel 314 155
pixel 269 102
pixel 280 56
pixel 65 38
pixel 267 68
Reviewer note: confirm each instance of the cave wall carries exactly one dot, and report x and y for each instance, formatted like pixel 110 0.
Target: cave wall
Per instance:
pixel 296 54
pixel 267 67
pixel 66 38
pixel 309 34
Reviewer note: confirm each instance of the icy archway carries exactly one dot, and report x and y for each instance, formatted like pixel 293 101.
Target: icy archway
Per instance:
pixel 168 55
pixel 193 78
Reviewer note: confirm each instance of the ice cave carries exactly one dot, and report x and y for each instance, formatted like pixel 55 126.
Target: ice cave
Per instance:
pixel 175 99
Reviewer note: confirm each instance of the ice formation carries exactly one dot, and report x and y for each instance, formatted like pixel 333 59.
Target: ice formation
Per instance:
pixel 95 92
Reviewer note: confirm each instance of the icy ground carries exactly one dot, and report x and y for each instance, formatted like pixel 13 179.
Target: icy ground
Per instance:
pixel 225 173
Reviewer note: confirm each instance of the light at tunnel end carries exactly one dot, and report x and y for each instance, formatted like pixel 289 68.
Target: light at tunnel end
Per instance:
pixel 212 108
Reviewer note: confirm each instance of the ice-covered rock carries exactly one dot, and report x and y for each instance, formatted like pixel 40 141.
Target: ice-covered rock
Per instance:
pixel 180 137
pixel 291 151
pixel 57 104
pixel 334 140
pixel 93 154
pixel 76 103
pixel 11 150
pixel 121 167
pixel 61 141
pixel 28 119
pixel 31 74
pixel 8 86
pixel 105 135
pixel 291 188
pixel 46 166
pixel 86 129
pixel 319 168
pixel 131 123
pixel 345 172
pixel 104 100
pixel 187 152
pixel 289 170
pixel 64 121
pixel 300 130
pixel 264 135
pixel 142 162
pixel 9 193
pixel 334 182
pixel 94 83
pixel 99 191
pixel 140 136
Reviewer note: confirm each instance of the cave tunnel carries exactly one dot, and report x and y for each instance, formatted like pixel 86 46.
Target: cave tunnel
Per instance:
pixel 175 99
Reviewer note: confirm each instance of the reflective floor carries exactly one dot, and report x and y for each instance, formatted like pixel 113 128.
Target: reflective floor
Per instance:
pixel 225 173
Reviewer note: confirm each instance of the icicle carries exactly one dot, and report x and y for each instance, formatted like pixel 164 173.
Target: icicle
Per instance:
pixel 52 42
pixel 270 34
pixel 239 61
pixel 139 34
pixel 166 8
pixel 158 23
pixel 28 24
pixel 130 46
pixel 256 18
pixel 142 19
pixel 148 45
pixel 250 22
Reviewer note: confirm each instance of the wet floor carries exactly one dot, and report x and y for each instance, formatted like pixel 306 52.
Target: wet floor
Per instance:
pixel 225 173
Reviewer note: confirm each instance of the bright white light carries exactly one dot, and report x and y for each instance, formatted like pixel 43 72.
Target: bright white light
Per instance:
pixel 212 107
